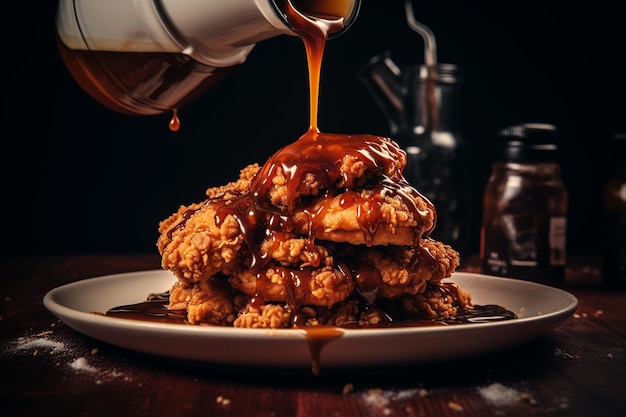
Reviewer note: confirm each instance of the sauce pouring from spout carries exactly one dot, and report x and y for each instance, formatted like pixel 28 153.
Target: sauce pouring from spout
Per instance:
pixel 313 30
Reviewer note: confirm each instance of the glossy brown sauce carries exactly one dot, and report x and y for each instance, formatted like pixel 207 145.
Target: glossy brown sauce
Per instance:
pixel 320 154
pixel 155 309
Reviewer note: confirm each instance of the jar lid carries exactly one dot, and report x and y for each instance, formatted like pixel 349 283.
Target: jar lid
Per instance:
pixel 530 142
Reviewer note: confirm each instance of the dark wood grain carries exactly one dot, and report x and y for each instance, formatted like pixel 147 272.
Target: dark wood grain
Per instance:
pixel 46 368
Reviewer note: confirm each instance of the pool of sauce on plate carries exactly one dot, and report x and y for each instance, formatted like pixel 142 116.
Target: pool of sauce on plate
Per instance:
pixel 155 309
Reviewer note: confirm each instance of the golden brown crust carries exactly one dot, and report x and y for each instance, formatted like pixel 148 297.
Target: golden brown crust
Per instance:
pixel 433 303
pixel 194 247
pixel 323 286
pixel 207 302
pixel 272 316
pixel 324 251
pixel 353 173
pixel 364 218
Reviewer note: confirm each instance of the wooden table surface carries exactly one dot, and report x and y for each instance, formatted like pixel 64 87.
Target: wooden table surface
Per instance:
pixel 46 368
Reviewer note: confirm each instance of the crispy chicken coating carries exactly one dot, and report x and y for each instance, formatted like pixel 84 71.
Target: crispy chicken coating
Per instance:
pixel 299 272
pixel 272 316
pixel 320 287
pixel 433 303
pixel 305 240
pixel 406 270
pixel 208 302
pixel 327 296
pixel 200 248
pixel 355 171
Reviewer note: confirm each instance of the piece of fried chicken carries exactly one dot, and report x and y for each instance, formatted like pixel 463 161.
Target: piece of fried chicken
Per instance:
pixel 368 217
pixel 304 279
pixel 191 243
pixel 306 240
pixel 214 303
pixel 196 242
pixel 293 173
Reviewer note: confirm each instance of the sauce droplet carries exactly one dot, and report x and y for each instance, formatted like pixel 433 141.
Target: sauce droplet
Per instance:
pixel 317 338
pixel 174 121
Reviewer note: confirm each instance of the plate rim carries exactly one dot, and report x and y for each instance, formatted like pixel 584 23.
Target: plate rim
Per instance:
pixel 78 319
pixel 52 305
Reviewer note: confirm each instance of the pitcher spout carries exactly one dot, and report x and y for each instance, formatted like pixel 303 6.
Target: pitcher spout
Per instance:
pixel 385 82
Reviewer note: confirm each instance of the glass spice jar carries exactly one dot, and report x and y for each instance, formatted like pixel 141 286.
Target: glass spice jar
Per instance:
pixel 523 233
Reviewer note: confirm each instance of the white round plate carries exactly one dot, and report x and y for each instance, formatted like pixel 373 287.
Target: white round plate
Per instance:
pixel 540 308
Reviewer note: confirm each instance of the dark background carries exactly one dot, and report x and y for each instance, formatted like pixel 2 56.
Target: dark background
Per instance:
pixel 77 177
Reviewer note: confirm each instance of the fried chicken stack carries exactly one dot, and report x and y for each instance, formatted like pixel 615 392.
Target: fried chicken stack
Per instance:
pixel 326 232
